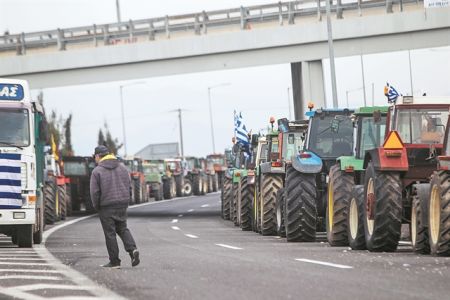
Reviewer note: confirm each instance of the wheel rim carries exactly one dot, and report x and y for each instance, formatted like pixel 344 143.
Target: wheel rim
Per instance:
pixel 187 188
pixel 435 214
pixel 330 206
pixel 279 217
pixel 370 195
pixel 413 225
pixel 353 218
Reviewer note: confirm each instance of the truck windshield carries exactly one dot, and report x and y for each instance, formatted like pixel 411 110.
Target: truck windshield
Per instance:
pixel 73 168
pixel 14 127
pixel 421 126
pixel 328 143
pixel 372 134
pixel 292 144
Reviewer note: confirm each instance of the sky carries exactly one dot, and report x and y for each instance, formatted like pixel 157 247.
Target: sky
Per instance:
pixel 258 92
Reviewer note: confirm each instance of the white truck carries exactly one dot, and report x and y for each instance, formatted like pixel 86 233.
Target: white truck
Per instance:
pixel 22 138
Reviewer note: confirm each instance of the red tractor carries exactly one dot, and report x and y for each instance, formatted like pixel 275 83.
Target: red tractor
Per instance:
pixel 138 184
pixel 394 193
pixel 217 164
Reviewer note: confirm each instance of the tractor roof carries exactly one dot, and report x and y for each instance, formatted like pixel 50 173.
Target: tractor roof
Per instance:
pixel 423 100
pixel 312 113
pixel 369 110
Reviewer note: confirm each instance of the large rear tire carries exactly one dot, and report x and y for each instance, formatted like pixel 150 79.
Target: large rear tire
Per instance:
pixel 355 219
pixel 340 186
pixel 68 200
pixel 383 213
pixel 226 198
pixel 179 185
pixel 138 196
pixel 419 219
pixel 50 202
pixel 187 188
pixel 25 236
pixel 234 206
pixel 439 214
pixel 247 193
pixel 167 186
pixel 281 229
pixel 271 184
pixel 196 185
pixel 301 209
pixel 62 201
pixel 158 194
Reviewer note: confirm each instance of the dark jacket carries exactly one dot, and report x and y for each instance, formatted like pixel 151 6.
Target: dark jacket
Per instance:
pixel 110 184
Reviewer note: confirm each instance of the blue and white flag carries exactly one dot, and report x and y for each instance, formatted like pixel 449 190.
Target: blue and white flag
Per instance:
pixel 391 93
pixel 10 181
pixel 240 130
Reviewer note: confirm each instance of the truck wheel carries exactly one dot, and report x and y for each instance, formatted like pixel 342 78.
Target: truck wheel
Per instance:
pixel 419 219
pixel 247 193
pixel 439 214
pixel 68 200
pixel 167 188
pixel 340 186
pixel 226 198
pixel 301 211
pixel 271 184
pixel 50 202
pixel 355 219
pixel 138 197
pixel 196 185
pixel 179 185
pixel 383 209
pixel 62 201
pixel 25 236
pixel 281 229
pixel 187 190
pixel 37 234
pixel 234 207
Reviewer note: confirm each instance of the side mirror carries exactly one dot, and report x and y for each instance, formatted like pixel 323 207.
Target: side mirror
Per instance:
pixel 283 125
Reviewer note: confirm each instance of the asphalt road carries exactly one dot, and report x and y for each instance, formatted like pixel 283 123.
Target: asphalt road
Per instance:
pixel 189 252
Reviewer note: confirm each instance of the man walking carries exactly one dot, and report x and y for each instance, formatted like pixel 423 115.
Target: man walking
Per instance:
pixel 110 195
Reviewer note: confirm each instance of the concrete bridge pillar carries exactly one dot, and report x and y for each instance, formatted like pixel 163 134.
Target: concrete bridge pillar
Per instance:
pixel 307 86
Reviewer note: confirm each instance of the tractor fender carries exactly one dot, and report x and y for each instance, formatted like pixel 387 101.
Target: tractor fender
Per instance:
pixel 310 165
pixel 372 156
pixel 267 168
pixel 382 161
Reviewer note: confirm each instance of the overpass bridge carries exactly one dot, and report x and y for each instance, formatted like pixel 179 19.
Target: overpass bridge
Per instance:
pixel 285 32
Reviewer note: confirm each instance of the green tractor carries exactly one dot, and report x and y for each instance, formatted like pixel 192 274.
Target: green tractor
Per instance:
pixel 345 189
pixel 226 195
pixel 330 135
pixel 176 170
pixel 159 184
pixel 196 175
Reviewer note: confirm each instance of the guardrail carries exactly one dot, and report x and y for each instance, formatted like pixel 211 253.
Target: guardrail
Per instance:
pixel 197 23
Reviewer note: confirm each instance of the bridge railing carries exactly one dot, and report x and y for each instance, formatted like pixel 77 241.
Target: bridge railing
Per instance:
pixel 197 23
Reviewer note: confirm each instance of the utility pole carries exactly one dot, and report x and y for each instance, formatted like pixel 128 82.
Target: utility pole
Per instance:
pixel 331 51
pixel 289 101
pixel 363 81
pixel 118 11
pixel 210 111
pixel 181 131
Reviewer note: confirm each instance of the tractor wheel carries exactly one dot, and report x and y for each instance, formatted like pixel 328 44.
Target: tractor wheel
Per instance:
pixel 62 200
pixel 50 202
pixel 158 194
pixel 419 219
pixel 25 236
pixel 167 188
pixel 179 185
pixel 215 187
pixel 247 193
pixel 257 207
pixel 226 198
pixel 187 188
pixel 196 185
pixel 281 229
pixel 138 197
pixel 439 214
pixel 340 186
pixel 383 209
pixel 355 219
pixel 68 200
pixel 301 211
pixel 271 184
pixel 234 207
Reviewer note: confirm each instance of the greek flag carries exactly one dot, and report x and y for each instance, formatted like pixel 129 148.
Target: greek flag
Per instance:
pixel 10 182
pixel 240 130
pixel 391 93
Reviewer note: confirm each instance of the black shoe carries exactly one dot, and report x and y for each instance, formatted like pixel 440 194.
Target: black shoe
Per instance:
pixel 111 265
pixel 134 257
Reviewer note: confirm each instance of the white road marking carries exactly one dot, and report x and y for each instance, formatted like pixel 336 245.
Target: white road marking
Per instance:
pixel 229 247
pixel 29 271
pixel 191 236
pixel 324 263
pixel 175 228
pixel 180 216
pixel 30 277
pixel 24 264
pixel 205 205
pixel 22 258
pixel 191 210
pixel 175 221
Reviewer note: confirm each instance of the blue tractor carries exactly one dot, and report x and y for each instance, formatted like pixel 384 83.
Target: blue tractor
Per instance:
pixel 330 135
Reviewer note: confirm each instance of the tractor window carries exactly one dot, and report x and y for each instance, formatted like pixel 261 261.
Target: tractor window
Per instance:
pixel 292 144
pixel 262 154
pixel 447 147
pixel 421 126
pixel 73 168
pixel 274 144
pixel 371 134
pixel 327 143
